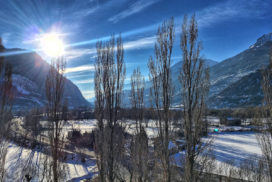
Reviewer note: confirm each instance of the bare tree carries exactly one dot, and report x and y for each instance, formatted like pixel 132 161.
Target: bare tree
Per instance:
pixel 162 89
pixel 194 79
pixel 139 144
pixel 32 124
pixel 264 135
pixel 99 111
pixel 109 81
pixel 54 92
pixel 137 97
pixel 6 97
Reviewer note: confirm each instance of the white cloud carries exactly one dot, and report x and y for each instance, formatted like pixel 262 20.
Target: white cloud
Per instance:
pixel 132 9
pixel 233 9
pixel 130 45
pixel 75 53
pixel 5 38
pixel 140 43
pixel 79 69
pixel 87 81
pixel 88 94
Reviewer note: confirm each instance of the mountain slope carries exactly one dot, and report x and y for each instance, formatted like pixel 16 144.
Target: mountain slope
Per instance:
pixel 233 69
pixel 175 72
pixel 245 92
pixel 29 75
pixel 236 82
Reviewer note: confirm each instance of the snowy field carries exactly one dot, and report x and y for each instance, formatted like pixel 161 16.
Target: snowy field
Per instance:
pixel 235 146
pixel 228 147
pixel 17 159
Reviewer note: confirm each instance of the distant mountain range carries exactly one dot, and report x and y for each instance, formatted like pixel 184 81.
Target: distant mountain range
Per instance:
pixel 235 82
pixel 29 76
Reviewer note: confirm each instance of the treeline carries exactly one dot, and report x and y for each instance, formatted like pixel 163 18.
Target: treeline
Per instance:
pixel 136 157
pixel 129 158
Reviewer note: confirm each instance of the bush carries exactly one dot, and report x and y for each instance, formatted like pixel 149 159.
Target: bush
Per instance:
pixel 81 140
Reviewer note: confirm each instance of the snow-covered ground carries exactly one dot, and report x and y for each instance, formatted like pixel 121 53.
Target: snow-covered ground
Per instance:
pixel 18 158
pixel 235 146
pixel 228 147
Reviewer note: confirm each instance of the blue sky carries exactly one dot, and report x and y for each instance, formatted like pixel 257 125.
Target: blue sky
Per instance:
pixel 226 27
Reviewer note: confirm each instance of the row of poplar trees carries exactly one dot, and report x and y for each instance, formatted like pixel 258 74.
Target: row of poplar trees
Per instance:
pixel 119 160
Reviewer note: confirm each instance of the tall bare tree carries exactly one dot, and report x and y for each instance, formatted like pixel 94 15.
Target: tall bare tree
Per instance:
pixel 6 97
pixel 109 80
pixel 194 79
pixel 162 90
pixel 139 143
pixel 99 111
pixel 137 97
pixel 54 92
pixel 264 135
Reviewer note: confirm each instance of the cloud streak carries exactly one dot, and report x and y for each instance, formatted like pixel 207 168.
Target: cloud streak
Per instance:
pixel 75 53
pixel 87 81
pixel 80 69
pixel 233 9
pixel 129 45
pixel 88 94
pixel 140 43
pixel 134 8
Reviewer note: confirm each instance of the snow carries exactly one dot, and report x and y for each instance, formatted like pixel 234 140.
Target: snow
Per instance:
pixel 236 146
pixel 82 125
pixel 17 158
pixel 229 149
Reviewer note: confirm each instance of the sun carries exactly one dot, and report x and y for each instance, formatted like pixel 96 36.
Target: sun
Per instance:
pixel 52 45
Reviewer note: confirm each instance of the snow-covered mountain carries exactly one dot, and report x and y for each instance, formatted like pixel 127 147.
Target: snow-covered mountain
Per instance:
pixel 236 81
pixel 29 75
pixel 262 40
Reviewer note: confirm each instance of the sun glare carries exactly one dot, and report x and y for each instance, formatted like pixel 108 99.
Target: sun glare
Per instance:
pixel 52 45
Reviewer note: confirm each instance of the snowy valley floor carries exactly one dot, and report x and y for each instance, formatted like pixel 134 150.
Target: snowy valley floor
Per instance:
pixel 228 147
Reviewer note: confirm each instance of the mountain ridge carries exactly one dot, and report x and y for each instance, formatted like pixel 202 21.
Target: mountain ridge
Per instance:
pixel 29 75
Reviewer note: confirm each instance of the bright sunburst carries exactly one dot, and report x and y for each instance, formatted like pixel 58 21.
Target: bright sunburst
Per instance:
pixel 52 45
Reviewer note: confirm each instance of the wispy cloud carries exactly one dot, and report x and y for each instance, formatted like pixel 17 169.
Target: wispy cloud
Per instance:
pixel 132 9
pixel 233 9
pixel 88 94
pixel 75 53
pixel 86 81
pixel 86 12
pixel 79 69
pixel 140 43
pixel 129 45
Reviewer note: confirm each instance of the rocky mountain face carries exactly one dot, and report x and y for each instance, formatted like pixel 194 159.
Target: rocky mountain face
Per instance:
pixel 246 92
pixel 262 40
pixel 236 82
pixel 29 76
pixel 233 69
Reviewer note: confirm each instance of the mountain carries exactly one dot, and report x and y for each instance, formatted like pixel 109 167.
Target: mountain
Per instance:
pixel 233 69
pixel 176 68
pixel 245 92
pixel 175 72
pixel 236 81
pixel 29 76
pixel 262 40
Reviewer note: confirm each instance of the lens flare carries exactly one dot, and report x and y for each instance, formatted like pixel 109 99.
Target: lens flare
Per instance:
pixel 52 45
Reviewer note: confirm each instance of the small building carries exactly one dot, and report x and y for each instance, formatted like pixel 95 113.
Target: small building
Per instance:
pixel 213 121
pixel 231 121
